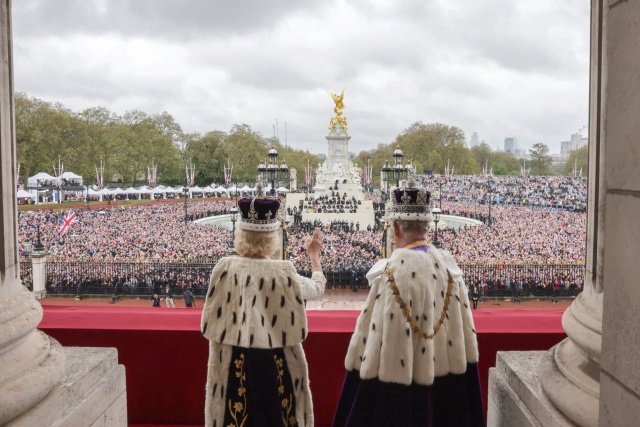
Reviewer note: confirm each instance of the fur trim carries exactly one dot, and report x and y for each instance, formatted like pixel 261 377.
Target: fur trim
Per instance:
pixel 216 389
pixel 383 345
pixel 299 372
pixel 254 303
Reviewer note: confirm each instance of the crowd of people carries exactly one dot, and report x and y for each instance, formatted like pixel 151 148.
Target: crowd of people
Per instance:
pixel 535 191
pixel 335 203
pixel 530 221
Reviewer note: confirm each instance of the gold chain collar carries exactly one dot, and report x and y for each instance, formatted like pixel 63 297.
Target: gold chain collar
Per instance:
pixel 405 310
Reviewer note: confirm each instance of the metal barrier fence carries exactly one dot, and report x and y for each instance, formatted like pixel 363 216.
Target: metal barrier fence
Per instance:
pixel 26 272
pixel 77 277
pixel 504 280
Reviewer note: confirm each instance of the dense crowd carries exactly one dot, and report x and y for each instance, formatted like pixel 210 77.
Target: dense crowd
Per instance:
pixel 528 221
pixel 537 191
pixel 156 231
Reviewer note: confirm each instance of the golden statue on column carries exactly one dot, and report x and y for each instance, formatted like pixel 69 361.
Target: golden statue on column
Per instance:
pixel 338 110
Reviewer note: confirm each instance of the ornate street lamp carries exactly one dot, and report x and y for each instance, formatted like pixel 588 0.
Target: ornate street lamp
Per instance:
pixel 385 175
pixel 436 219
pixel 86 196
pixel 490 194
pixel 283 172
pixel 272 169
pixel 233 215
pixel 185 191
pixel 38 246
pixel 262 172
pixel 399 171
pixel 272 173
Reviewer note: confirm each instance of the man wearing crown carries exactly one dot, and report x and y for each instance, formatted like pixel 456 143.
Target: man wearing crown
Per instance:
pixel 412 360
pixel 254 319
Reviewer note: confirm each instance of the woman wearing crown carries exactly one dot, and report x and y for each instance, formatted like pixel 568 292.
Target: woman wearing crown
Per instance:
pixel 412 360
pixel 254 319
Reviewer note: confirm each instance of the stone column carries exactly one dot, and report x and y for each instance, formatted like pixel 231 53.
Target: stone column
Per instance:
pixel 31 363
pixel 38 267
pixel 592 378
pixel 619 162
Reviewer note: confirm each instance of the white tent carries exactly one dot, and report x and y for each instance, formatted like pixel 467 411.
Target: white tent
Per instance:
pixel 144 190
pixel 172 190
pixel 208 189
pixel 32 181
pixel 196 189
pixel 24 194
pixel 70 175
pixel 282 190
pixel 245 188
pixel 105 191
pixel 117 191
pixel 93 192
pixel 221 189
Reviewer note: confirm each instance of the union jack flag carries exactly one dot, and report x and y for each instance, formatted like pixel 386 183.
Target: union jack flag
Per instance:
pixel 69 221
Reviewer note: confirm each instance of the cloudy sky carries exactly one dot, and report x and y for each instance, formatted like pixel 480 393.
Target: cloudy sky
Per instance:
pixel 496 67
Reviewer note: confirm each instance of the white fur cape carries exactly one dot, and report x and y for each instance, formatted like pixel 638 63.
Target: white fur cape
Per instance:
pixel 254 303
pixel 383 345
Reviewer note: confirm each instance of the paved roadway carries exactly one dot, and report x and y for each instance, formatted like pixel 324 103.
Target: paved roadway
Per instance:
pixel 333 299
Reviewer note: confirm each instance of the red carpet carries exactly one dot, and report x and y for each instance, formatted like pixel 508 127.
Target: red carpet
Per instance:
pixel 166 357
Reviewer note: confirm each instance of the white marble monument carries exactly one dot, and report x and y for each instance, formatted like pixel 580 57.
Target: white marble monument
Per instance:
pixel 337 167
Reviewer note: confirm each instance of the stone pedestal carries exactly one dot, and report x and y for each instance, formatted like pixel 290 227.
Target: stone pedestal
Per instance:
pixel 38 265
pixel 92 393
pixel 515 396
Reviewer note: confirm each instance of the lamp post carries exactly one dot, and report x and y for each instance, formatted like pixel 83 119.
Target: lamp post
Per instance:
pixel 399 171
pixel 490 194
pixel 234 217
pixel 185 190
pixel 38 246
pixel 436 219
pixel 440 181
pixel 385 174
pixel 86 196
pixel 272 172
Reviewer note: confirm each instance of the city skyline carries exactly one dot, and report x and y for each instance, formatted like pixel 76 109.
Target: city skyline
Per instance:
pixel 516 69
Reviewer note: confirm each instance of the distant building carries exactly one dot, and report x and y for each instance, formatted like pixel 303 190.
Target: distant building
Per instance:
pixel 474 140
pixel 511 146
pixel 566 147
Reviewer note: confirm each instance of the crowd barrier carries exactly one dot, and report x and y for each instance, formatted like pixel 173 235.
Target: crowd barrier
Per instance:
pixel 143 278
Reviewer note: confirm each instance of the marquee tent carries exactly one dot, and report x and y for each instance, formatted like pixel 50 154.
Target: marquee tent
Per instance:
pixel 33 180
pixel 24 194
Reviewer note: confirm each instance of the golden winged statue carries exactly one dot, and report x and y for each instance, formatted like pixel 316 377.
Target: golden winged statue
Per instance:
pixel 338 110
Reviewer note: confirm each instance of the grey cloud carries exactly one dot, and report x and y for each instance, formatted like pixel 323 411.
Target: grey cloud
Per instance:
pixel 170 19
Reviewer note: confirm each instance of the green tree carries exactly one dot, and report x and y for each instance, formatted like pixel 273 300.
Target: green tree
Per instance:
pixel 580 160
pixel 244 149
pixel 202 151
pixel 505 164
pixel 483 155
pixel 540 157
pixel 45 132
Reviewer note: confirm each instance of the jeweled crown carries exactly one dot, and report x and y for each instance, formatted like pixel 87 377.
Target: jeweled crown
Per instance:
pixel 259 213
pixel 410 203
